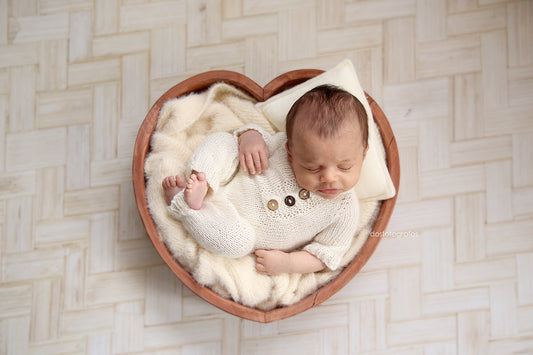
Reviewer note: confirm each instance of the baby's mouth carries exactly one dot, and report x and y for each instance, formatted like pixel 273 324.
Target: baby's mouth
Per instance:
pixel 330 191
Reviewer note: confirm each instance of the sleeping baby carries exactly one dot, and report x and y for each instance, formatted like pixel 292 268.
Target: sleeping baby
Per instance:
pixel 292 202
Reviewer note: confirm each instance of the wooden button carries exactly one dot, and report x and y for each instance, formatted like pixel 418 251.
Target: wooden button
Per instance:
pixel 304 194
pixel 290 201
pixel 272 205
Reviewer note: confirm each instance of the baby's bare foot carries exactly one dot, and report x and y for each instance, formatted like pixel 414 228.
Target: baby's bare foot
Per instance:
pixel 172 185
pixel 196 190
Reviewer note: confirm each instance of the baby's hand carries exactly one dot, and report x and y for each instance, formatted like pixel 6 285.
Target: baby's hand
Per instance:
pixel 272 262
pixel 253 152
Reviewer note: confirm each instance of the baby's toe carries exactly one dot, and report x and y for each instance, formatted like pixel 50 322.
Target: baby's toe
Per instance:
pixel 201 176
pixel 166 182
pixel 180 181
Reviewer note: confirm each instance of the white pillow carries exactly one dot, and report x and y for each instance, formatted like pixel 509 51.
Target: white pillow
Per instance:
pixel 375 182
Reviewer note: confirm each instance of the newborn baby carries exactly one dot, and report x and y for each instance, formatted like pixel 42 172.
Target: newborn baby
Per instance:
pixel 293 201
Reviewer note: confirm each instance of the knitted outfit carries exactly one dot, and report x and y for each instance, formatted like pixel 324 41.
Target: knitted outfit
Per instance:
pixel 267 211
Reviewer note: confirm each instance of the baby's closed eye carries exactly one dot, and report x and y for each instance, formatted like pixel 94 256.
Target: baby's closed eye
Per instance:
pixel 346 167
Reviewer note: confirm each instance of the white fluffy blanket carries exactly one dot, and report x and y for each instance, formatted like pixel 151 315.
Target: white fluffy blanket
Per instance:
pixel 183 123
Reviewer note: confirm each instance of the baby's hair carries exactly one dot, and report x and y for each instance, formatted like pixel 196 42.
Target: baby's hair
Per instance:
pixel 329 107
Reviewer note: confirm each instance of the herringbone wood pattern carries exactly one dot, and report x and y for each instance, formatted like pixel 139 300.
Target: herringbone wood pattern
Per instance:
pixel 79 275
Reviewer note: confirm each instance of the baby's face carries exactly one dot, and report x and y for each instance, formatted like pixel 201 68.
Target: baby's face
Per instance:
pixel 327 166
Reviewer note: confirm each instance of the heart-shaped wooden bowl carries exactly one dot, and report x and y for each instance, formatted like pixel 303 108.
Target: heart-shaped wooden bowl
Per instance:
pixel 285 81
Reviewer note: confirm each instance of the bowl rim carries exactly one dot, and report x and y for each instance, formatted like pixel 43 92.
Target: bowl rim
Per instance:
pixel 284 81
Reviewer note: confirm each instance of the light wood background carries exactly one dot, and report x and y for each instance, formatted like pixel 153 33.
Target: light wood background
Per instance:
pixel 78 274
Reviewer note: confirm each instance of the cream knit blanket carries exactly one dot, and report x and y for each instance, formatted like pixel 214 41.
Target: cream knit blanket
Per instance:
pixel 183 123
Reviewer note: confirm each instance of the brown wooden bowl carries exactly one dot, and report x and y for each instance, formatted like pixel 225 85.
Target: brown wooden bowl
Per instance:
pixel 285 81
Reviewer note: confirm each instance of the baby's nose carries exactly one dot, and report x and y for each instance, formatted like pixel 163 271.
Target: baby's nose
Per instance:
pixel 328 175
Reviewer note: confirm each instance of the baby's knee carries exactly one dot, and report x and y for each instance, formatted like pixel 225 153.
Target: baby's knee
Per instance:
pixel 240 248
pixel 232 246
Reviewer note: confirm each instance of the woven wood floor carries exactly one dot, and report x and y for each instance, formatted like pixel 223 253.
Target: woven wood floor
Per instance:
pixel 78 274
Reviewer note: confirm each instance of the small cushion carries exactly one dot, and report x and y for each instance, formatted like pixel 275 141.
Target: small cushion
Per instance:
pixel 375 182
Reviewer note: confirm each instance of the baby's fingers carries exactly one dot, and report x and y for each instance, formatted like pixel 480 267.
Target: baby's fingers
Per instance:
pixel 260 268
pixel 242 159
pixel 250 164
pixel 253 162
pixel 258 164
pixel 260 253
pixel 264 156
pixel 247 162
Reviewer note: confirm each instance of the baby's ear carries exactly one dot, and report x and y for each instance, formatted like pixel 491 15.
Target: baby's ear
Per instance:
pixel 289 155
pixel 366 150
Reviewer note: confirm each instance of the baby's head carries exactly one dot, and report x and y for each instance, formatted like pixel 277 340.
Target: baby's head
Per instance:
pixel 327 139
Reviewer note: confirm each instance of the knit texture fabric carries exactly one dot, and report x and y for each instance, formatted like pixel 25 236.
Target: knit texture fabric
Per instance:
pixel 236 220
